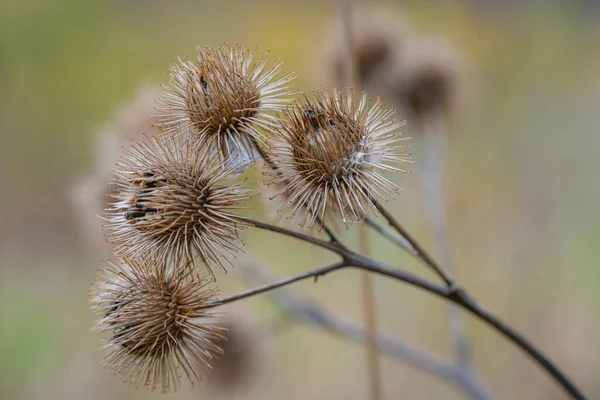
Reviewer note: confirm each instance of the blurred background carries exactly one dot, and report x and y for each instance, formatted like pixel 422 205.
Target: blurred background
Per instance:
pixel 522 191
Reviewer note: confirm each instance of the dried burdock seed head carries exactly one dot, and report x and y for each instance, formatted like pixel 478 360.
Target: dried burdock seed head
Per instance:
pixel 90 195
pixel 429 81
pixel 172 205
pixel 330 151
pixel 133 121
pixel 242 357
pixel 160 320
pixel 378 39
pixel 275 196
pixel 224 100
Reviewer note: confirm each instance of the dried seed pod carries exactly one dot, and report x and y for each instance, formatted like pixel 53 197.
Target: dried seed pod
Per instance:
pixel 330 151
pixel 241 357
pixel 223 100
pixel 378 39
pixel 172 205
pixel 275 196
pixel 160 320
pixel 90 194
pixel 430 80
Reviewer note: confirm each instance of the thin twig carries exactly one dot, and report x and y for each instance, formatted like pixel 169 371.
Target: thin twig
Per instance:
pixel 434 159
pixel 415 247
pixel 370 318
pixel 389 234
pixel 304 309
pixel 350 260
pixel 274 285
pixel 333 246
pixel 346 26
pixel 451 292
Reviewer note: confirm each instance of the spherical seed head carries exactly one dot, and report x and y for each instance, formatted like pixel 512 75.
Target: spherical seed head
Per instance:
pixel 160 322
pixel 378 39
pixel 89 195
pixel 223 100
pixel 172 205
pixel 330 151
pixel 241 356
pixel 430 80
pixel 275 196
pixel 133 121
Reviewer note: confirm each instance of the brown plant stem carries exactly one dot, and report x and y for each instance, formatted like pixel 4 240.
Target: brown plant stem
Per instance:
pixel 364 244
pixel 451 292
pixel 370 317
pixel 389 234
pixel 414 247
pixel 304 309
pixel 433 130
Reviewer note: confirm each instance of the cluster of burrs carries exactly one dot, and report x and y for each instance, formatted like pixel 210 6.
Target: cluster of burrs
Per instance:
pixel 173 215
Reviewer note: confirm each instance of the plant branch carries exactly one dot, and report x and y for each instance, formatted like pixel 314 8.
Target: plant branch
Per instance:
pixel 304 309
pixel 456 327
pixel 452 292
pixel 390 235
pixel 433 129
pixel 336 247
pixel 415 248
pixel 274 285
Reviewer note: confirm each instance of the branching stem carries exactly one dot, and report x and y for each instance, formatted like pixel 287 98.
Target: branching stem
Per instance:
pixel 413 246
pixel 451 292
pixel 305 309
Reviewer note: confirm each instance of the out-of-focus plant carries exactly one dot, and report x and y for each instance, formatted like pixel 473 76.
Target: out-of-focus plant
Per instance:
pixel 377 50
pixel 90 192
pixel 172 216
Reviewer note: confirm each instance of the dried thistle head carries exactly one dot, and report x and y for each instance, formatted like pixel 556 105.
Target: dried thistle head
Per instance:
pixel 275 195
pixel 133 121
pixel 430 80
pixel 90 194
pixel 330 151
pixel 241 356
pixel 378 40
pixel 223 100
pixel 160 320
pixel 171 205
